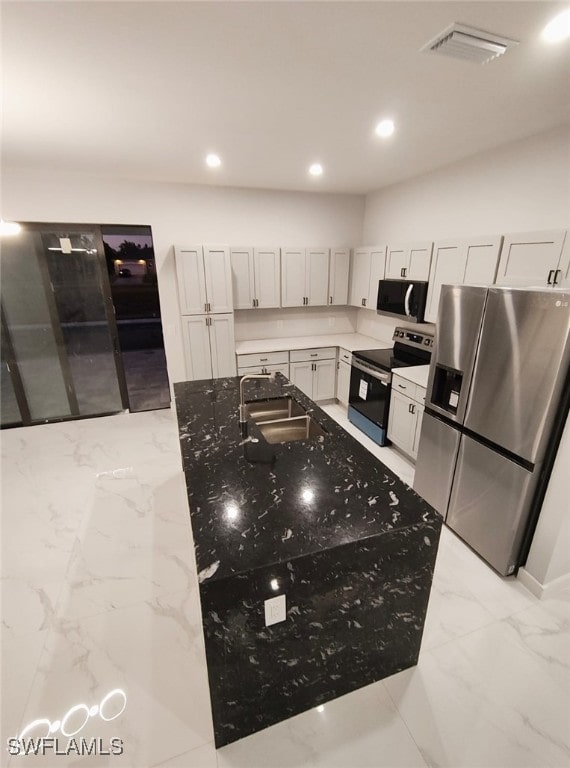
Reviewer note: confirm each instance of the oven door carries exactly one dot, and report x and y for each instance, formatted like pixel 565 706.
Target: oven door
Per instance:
pixel 369 400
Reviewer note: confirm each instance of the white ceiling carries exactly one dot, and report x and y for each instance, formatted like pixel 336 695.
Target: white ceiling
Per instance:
pixel 147 89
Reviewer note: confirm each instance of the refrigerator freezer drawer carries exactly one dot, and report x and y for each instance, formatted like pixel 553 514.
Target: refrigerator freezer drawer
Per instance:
pixel 490 504
pixel 435 464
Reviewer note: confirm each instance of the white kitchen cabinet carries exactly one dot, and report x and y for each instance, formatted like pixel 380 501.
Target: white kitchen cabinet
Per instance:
pixel 256 277
pixel 343 382
pixel 304 277
pixel 301 375
pixel 324 380
pixel 338 276
pixel 368 267
pixel 204 279
pixel 471 261
pixel 314 372
pixel 264 362
pixel 209 347
pixel 343 375
pixel 534 259
pixel 410 261
pixel 406 414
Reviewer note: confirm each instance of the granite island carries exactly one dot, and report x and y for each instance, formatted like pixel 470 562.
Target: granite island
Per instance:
pixel 320 521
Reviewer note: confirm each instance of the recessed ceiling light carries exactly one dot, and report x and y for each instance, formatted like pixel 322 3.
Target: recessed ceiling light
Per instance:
pixel 316 169
pixel 385 128
pixel 558 29
pixel 213 161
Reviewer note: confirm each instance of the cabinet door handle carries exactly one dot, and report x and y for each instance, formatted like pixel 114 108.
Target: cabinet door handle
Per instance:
pixel 205 307
pixel 409 407
pixel 413 408
pixel 338 366
pixel 365 300
pixel 330 299
pixel 405 271
pixel 402 272
pixel 549 281
pixel 314 354
pixel 555 281
pixel 263 359
pixel 307 301
pixel 402 386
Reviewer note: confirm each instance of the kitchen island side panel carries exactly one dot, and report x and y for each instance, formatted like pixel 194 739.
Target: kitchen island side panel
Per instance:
pixel 355 614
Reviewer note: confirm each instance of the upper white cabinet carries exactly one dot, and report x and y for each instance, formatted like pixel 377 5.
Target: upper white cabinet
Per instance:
pixel 410 261
pixel 338 276
pixel 204 279
pixel 304 277
pixel 256 277
pixel 461 262
pixel 534 259
pixel 368 267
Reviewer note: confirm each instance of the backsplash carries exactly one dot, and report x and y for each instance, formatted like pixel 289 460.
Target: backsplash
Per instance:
pixel 302 321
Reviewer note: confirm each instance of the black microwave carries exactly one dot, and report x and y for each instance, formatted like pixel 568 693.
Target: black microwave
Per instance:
pixel 405 298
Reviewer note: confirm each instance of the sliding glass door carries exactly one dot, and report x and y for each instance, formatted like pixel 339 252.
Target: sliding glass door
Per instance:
pixel 60 352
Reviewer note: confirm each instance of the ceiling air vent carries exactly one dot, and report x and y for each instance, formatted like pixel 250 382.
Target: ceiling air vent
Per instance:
pixel 469 44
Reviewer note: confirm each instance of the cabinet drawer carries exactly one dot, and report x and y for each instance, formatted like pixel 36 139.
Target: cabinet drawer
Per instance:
pixel 404 387
pixel 345 355
pixel 262 358
pixel 246 371
pixel 318 353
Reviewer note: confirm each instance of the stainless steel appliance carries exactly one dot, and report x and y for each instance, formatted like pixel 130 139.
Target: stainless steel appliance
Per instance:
pixel 497 400
pixel 371 377
pixel 405 298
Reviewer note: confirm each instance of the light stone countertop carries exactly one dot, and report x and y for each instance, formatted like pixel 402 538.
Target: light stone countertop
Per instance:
pixel 417 374
pixel 349 341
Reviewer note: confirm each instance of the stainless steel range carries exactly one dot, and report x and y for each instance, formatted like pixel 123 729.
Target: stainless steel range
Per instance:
pixel 371 379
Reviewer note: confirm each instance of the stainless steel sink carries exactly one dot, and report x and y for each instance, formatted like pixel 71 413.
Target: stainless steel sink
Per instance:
pixel 287 430
pixel 283 420
pixel 270 410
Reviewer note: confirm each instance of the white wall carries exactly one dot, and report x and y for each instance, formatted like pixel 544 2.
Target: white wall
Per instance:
pixel 183 214
pixel 549 557
pixel 522 186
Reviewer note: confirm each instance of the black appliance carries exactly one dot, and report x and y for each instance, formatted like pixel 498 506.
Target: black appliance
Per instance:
pixel 371 380
pixel 405 298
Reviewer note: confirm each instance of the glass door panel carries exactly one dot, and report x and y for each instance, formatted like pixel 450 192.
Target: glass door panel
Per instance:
pixel 82 298
pixel 131 267
pixel 30 313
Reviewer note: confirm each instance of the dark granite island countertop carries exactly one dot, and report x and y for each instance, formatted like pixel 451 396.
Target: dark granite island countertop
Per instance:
pixel 322 521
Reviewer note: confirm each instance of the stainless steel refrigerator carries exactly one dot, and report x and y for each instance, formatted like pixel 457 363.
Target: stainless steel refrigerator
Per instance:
pixel 497 400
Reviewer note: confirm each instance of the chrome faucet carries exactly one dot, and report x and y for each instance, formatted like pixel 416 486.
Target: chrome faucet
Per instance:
pixel 242 413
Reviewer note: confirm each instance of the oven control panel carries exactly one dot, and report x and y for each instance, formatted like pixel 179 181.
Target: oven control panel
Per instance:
pixel 412 338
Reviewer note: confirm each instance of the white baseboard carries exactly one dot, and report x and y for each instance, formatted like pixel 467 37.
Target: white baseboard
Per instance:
pixel 550 589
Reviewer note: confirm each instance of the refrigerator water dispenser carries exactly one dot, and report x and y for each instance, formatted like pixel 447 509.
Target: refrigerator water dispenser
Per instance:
pixel 446 388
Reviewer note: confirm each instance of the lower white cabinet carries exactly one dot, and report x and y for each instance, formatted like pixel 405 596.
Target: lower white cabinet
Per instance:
pixel 209 346
pixel 343 382
pixel 314 372
pixel 406 414
pixel 263 362
pixel 343 375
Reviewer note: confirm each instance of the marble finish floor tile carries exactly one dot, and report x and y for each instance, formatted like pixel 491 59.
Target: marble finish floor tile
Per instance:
pixel 387 455
pixel 99 591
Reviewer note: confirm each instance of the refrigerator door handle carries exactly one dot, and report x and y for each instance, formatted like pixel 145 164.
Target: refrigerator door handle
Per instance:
pixel 549 280
pixel 407 299
pixel 556 274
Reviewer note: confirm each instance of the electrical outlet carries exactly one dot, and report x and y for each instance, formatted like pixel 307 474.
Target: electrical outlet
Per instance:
pixel 275 610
